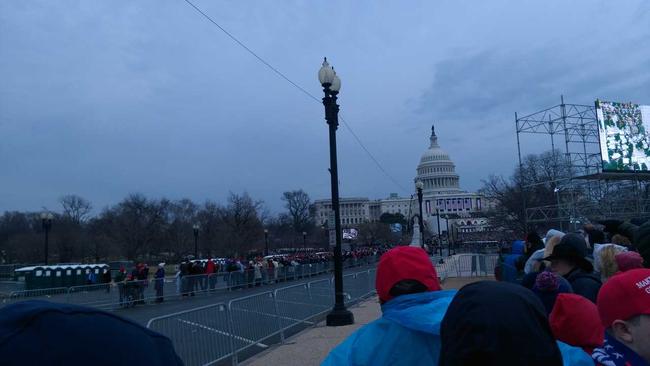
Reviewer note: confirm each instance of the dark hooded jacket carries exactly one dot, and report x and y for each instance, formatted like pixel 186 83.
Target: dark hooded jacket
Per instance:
pixel 497 323
pixel 45 333
pixel 584 283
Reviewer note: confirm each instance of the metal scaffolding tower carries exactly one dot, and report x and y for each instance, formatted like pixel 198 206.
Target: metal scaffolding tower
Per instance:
pixel 584 193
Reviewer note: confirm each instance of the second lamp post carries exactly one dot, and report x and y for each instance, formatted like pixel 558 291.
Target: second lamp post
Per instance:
pixel 266 242
pixel 46 218
pixel 196 228
pixel 331 86
pixel 418 186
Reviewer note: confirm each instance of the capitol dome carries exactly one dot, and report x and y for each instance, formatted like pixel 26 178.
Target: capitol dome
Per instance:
pixel 436 170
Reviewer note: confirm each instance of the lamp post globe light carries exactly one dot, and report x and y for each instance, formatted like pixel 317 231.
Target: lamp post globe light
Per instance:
pixel 46 219
pixel 196 228
pixel 304 241
pixel 331 86
pixel 419 186
pixel 266 242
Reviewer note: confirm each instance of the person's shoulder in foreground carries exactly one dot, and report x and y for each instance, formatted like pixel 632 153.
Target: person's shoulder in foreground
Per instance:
pixel 624 308
pixel 45 333
pixel 497 323
pixel 413 306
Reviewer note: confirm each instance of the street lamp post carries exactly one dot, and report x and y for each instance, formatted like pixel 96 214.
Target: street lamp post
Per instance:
pixel 438 222
pixel 331 86
pixel 419 185
pixel 196 227
pixel 266 242
pixel 304 241
pixel 46 219
pixel 447 227
pixel 557 196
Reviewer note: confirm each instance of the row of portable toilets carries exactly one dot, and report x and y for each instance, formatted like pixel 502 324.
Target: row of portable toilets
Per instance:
pixel 60 275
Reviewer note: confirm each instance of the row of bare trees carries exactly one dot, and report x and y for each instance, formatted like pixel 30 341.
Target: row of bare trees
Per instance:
pixel 142 228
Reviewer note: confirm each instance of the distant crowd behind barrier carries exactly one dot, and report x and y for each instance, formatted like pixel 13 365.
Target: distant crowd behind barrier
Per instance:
pixel 130 288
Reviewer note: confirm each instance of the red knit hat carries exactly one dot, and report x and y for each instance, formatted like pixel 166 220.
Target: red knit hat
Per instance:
pixel 624 295
pixel 574 320
pixel 405 263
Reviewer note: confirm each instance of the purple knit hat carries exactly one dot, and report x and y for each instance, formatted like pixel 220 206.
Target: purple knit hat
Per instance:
pixel 547 282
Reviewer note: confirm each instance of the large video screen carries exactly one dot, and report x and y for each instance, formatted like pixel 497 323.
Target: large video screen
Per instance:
pixel 624 136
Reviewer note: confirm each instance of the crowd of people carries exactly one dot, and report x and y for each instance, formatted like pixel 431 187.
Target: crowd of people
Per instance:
pixel 132 285
pixel 192 276
pixel 580 298
pixel 255 271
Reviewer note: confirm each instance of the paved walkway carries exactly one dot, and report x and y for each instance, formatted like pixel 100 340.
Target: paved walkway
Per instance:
pixel 312 346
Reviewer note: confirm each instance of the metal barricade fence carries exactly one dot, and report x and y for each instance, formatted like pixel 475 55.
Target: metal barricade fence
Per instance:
pixel 464 265
pixel 246 333
pixel 215 333
pixel 348 282
pixel 490 263
pixel 100 295
pixel 201 336
pixel 321 292
pixel 445 269
pixel 57 294
pixel 295 308
pixel 372 278
pixel 357 287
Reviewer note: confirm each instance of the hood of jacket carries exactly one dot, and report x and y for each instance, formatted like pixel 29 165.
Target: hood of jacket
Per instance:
pixel 486 318
pixel 575 321
pixel 68 334
pixel 537 256
pixel 421 312
pixel 518 247
pixel 551 233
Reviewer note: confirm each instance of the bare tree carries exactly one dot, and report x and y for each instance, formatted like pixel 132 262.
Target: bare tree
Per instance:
pixel 535 181
pixel 298 205
pixel 180 216
pixel 135 224
pixel 75 207
pixel 242 226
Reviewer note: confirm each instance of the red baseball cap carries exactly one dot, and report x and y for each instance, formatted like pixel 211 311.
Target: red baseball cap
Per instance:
pixel 405 263
pixel 624 295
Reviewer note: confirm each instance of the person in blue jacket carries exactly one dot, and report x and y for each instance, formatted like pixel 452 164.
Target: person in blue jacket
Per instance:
pixel 412 305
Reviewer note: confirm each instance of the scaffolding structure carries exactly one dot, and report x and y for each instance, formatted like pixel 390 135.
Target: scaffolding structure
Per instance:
pixel 583 191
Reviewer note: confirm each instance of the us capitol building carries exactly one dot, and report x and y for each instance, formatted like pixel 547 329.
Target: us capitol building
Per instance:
pixel 443 201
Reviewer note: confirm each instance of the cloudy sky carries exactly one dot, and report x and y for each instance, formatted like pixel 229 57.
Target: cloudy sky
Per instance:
pixel 102 98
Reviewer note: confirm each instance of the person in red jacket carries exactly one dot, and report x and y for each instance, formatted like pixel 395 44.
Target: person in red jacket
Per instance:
pixel 210 268
pixel 575 321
